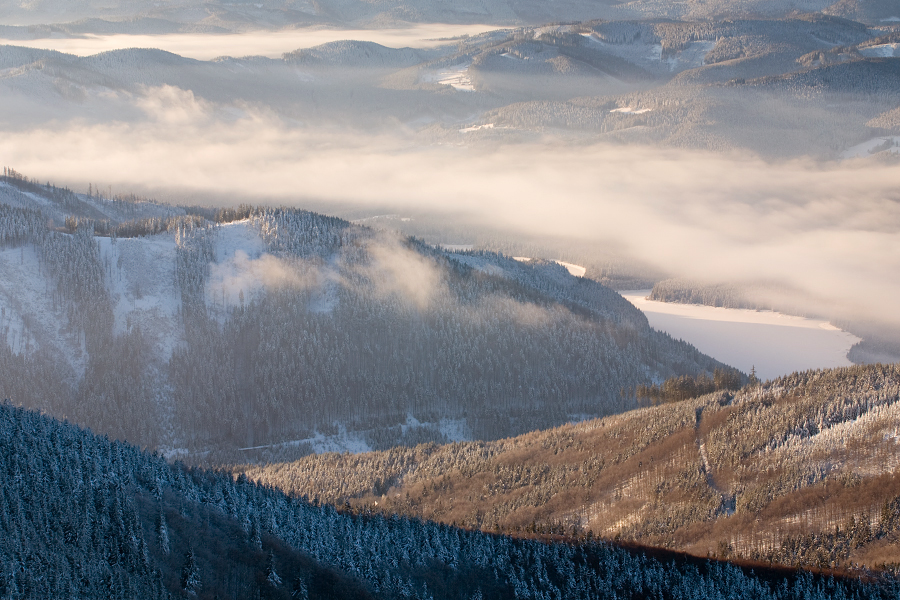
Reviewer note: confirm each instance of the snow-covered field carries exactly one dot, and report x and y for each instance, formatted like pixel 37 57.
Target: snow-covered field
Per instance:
pixel 256 43
pixel 650 56
pixel 574 270
pixel 29 318
pixel 774 343
pixel 690 58
pixel 631 111
pixel 456 77
pixel 872 146
pixel 142 288
pixel 881 51
pixel 476 128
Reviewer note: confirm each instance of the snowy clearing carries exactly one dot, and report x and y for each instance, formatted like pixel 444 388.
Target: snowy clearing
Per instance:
pixel 574 270
pixel 456 76
pixel 881 51
pixel 873 146
pixel 141 286
pixel 650 56
pixel 477 128
pixel 690 58
pixel 631 111
pixel 774 343
pixel 28 318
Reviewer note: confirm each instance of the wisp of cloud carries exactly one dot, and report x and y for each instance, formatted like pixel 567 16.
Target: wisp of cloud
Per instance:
pixel 832 230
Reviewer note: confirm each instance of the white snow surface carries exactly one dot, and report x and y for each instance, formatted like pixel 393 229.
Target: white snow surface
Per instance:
pixel 881 51
pixel 456 76
pixel 631 111
pixel 344 441
pixel 237 269
pixel 477 128
pixel 141 282
pixel 774 343
pixel 27 315
pixel 650 57
pixel 872 146
pixel 573 269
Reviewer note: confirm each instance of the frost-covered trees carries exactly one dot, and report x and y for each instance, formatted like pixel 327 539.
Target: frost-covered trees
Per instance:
pixel 379 329
pixel 366 330
pixel 79 517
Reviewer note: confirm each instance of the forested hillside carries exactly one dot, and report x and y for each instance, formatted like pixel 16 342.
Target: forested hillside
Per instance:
pixel 84 517
pixel 190 16
pixel 281 329
pixel 796 471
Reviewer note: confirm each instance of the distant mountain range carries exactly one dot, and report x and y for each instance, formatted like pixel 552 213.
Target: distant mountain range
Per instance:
pixel 808 85
pixel 130 16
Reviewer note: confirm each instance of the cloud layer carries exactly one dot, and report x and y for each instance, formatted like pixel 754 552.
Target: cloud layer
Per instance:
pixel 832 230
pixel 254 43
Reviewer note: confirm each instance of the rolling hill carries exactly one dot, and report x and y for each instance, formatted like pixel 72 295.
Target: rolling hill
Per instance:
pixel 797 471
pixel 85 517
pixel 284 331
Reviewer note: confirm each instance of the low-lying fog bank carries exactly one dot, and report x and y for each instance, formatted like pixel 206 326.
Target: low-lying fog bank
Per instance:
pixel 271 44
pixel 831 230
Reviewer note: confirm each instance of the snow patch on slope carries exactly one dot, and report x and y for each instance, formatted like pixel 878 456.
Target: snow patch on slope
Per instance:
pixel 456 76
pixel 881 51
pixel 873 146
pixel 27 313
pixel 628 110
pixel 141 283
pixel 573 269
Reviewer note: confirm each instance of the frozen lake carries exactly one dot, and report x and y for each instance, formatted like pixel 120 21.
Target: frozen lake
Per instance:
pixel 776 344
pixel 271 44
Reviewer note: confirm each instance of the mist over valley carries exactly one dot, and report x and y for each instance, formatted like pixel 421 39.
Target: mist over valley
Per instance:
pixel 343 294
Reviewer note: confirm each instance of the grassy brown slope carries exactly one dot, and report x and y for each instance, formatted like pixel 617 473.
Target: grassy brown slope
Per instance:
pixel 801 470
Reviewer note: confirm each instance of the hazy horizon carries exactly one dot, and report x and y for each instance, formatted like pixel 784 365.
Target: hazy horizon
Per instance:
pixel 271 44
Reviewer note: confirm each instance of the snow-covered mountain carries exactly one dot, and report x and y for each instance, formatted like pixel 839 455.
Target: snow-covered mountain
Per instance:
pixel 196 328
pixel 133 15
pixel 716 85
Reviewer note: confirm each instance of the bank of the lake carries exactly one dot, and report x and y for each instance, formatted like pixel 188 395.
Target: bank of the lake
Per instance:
pixel 773 343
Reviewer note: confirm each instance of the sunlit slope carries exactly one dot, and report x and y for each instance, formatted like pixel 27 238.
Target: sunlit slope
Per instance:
pixel 800 470
pixel 85 517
